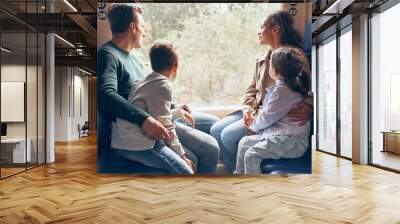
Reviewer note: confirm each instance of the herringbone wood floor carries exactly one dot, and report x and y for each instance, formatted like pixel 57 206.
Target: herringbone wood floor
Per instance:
pixel 70 191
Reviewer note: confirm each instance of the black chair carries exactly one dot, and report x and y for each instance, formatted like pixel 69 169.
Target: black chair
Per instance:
pixel 301 165
pixel 84 130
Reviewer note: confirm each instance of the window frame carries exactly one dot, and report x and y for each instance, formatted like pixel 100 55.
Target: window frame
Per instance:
pixel 333 33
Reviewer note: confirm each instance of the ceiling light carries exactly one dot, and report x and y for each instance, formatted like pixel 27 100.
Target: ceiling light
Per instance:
pixel 5 50
pixel 64 40
pixel 84 71
pixel 80 51
pixel 338 6
pixel 70 5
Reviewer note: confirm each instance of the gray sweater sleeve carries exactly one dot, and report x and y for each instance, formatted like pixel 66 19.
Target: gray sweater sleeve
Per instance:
pixel 158 103
pixel 107 88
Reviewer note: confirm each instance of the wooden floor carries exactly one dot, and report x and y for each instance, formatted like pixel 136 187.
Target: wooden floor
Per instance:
pixel 387 159
pixel 10 171
pixel 70 191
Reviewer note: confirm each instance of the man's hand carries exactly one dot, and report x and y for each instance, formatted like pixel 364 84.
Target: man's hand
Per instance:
pixel 154 129
pixel 248 118
pixel 189 162
pixel 301 113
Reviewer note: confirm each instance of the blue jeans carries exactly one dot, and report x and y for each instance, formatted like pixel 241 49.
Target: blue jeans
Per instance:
pixel 200 147
pixel 160 156
pixel 228 133
pixel 253 149
pixel 203 121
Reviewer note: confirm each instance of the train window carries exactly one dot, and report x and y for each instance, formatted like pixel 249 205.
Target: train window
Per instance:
pixel 217 46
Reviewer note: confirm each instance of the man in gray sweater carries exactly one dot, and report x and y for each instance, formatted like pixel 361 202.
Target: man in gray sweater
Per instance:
pixel 118 69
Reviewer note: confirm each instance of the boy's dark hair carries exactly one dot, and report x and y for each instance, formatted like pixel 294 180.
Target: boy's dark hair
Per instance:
pixel 289 63
pixel 121 15
pixel 162 56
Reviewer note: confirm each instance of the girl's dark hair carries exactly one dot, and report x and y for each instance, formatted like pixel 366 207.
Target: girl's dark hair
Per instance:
pixel 289 36
pixel 289 63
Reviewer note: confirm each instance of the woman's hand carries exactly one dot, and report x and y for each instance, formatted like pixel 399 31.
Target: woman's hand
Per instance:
pixel 301 113
pixel 248 118
pixel 189 162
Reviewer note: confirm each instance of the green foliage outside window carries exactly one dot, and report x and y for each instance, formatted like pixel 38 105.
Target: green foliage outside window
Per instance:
pixel 217 46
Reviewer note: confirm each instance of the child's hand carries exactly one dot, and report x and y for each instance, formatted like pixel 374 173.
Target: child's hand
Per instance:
pixel 189 162
pixel 185 107
pixel 188 118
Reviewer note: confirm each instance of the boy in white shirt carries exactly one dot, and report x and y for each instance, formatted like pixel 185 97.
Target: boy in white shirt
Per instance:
pixel 154 95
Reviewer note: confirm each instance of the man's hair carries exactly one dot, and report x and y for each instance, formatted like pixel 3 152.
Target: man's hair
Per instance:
pixel 121 15
pixel 162 56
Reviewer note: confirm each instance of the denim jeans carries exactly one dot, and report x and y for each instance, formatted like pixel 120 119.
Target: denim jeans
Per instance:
pixel 203 121
pixel 160 156
pixel 253 149
pixel 200 147
pixel 228 133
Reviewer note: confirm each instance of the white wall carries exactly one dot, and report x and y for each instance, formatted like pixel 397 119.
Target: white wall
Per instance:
pixel 14 73
pixel 70 83
pixel 17 73
pixel 61 103
pixel 33 126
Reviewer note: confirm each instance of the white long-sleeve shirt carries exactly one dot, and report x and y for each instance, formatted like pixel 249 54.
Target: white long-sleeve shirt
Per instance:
pixel 272 119
pixel 154 95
